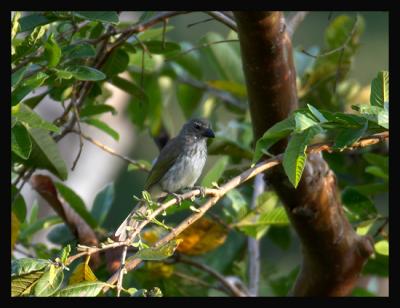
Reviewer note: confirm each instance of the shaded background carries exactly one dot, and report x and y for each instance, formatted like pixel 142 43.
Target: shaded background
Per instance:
pixel 97 168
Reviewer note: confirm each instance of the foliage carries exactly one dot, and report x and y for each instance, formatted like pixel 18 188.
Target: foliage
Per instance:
pixel 60 55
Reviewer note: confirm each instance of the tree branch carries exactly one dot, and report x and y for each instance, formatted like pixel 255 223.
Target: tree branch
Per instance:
pixel 225 19
pixel 111 151
pixel 217 194
pixel 253 245
pixel 333 254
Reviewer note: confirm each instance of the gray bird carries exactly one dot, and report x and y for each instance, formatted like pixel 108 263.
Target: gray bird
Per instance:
pixel 178 166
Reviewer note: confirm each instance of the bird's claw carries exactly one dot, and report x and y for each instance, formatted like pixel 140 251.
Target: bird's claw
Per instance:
pixel 202 190
pixel 179 198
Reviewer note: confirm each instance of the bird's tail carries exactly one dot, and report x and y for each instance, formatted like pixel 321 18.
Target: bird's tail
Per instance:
pixel 123 232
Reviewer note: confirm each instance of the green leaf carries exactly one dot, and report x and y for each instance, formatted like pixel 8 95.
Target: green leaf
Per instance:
pixel 77 51
pixel 82 289
pixel 116 63
pixel 158 253
pixel 223 58
pixel 65 253
pixel 130 88
pixel 382 247
pixel 86 73
pixel 303 121
pixel 283 284
pixel 103 16
pixel 32 21
pixel 20 142
pixel 378 172
pixel 189 62
pixel 33 101
pixel 378 266
pixel 280 236
pixel 278 131
pixel 38 225
pixel 60 235
pixel 357 206
pixel 380 89
pixel 348 136
pixel 27 87
pixel 27 265
pixel 229 86
pixel 48 284
pixel 31 119
pixel 18 206
pixel 91 110
pixel 103 126
pixel 189 98
pixel 15 24
pixel 76 203
pixel 22 285
pixel 317 114
pixel 361 292
pixel 276 216
pixel 17 76
pixel 380 161
pixel 157 47
pixel 294 158
pixel 238 205
pixel 375 114
pixel 52 52
pixel 45 153
pixel 102 203
pixel 216 171
pixel 153 33
pixel 364 227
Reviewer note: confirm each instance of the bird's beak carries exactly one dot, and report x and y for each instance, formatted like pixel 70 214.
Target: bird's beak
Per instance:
pixel 208 133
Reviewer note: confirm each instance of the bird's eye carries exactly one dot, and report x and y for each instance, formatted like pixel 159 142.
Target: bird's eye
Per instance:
pixel 197 126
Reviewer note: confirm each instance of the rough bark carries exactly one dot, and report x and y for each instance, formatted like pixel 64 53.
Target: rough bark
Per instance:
pixel 333 254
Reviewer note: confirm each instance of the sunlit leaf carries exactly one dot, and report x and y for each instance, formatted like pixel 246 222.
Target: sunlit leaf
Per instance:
pixel 382 247
pixel 103 16
pixel 85 288
pixel 20 142
pixel 158 253
pixel 216 171
pixel 380 89
pixel 103 126
pixel 49 283
pixel 82 272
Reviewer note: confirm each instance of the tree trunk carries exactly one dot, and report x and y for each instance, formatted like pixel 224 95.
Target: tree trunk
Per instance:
pixel 333 254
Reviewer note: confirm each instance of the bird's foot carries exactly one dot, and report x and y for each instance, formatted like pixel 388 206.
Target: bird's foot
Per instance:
pixel 202 190
pixel 179 198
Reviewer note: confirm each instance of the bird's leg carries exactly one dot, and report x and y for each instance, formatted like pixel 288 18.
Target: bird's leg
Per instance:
pixel 202 190
pixel 178 198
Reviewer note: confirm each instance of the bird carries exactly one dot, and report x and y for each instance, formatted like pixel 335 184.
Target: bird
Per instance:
pixel 177 167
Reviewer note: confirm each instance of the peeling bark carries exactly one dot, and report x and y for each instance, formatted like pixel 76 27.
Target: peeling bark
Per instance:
pixel 333 254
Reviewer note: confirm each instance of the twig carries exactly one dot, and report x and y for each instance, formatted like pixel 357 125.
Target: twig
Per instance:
pixel 294 21
pixel 253 245
pixel 231 288
pixel 233 183
pixel 122 271
pixel 198 281
pixel 198 47
pixel 80 138
pixel 200 22
pixel 224 19
pixel 342 47
pixel 111 151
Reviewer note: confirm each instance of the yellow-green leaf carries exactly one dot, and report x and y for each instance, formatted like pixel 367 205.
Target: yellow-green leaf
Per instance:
pixel 158 253
pixel 382 247
pixel 82 272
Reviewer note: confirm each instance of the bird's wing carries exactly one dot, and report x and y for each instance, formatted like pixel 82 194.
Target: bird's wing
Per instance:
pixel 165 160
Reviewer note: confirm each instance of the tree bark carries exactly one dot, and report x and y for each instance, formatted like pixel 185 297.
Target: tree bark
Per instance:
pixel 333 254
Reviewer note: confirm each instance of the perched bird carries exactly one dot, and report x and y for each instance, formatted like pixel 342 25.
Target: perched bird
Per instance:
pixel 178 166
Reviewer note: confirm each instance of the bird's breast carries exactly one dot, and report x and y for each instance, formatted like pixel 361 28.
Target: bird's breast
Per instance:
pixel 187 168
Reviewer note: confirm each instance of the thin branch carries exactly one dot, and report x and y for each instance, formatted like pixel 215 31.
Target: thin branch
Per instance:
pixel 294 21
pixel 231 288
pixel 198 281
pixel 200 22
pixel 80 138
pixel 122 271
pixel 198 47
pixel 253 245
pixel 233 183
pixel 111 151
pixel 342 47
pixel 225 19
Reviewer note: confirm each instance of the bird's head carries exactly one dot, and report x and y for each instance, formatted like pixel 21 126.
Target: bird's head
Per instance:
pixel 199 128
